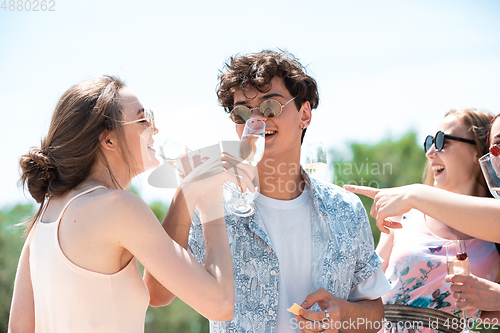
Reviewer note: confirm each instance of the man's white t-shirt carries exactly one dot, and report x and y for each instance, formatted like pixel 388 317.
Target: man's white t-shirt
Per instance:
pixel 288 225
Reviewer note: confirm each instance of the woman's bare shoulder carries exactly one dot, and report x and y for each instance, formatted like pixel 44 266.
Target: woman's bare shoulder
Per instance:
pixel 118 204
pixel 115 196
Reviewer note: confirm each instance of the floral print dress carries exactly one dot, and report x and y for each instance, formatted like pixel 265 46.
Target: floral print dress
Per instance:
pixel 417 266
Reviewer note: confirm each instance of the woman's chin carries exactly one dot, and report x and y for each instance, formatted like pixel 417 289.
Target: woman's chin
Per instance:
pixel 149 160
pixel 152 164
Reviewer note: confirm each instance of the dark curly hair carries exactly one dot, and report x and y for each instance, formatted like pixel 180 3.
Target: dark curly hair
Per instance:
pixel 68 153
pixel 256 70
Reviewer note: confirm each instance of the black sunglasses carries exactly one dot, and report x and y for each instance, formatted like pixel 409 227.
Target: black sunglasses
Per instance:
pixel 439 140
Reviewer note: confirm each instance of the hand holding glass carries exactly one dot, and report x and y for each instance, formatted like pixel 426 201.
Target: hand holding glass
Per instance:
pixel 490 165
pixel 186 161
pixel 457 263
pixel 251 150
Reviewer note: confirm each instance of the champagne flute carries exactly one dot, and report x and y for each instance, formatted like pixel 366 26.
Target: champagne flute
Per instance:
pixel 490 164
pixel 251 149
pixel 457 263
pixel 315 160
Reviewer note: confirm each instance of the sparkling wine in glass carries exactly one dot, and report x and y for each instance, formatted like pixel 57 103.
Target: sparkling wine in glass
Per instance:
pixel 315 160
pixel 490 164
pixel 170 151
pixel 251 149
pixel 457 263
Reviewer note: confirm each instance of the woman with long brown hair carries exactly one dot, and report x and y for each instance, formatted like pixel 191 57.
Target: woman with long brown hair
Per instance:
pixel 77 270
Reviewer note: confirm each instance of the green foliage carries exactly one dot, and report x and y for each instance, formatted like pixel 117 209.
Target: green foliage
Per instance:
pixel 385 164
pixel 11 244
pixel 176 317
pixel 159 209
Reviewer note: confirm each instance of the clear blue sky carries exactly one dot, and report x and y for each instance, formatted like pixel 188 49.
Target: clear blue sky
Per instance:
pixel 383 67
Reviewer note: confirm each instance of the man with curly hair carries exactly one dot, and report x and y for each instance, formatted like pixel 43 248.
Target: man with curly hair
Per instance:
pixel 308 242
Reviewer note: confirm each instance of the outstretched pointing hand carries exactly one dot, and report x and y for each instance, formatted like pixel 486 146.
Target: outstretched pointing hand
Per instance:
pixel 387 203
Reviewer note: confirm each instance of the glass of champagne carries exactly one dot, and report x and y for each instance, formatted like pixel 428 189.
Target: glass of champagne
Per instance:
pixel 315 160
pixel 490 164
pixel 170 150
pixel 251 149
pixel 457 263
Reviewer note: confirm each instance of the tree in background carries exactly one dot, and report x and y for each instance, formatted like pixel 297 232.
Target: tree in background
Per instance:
pixel 385 164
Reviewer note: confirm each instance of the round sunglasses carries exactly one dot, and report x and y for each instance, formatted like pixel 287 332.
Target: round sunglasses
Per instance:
pixel 439 140
pixel 270 108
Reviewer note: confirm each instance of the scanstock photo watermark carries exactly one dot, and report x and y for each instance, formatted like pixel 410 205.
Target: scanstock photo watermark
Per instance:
pixel 351 324
pixel 363 323
pixel 353 171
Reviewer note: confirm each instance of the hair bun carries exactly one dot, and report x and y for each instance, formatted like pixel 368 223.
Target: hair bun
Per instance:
pixel 37 172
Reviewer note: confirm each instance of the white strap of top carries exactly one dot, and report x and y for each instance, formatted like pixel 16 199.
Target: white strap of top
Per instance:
pixel 44 208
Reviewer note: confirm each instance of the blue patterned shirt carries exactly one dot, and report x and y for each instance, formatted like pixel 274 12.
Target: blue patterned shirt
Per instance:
pixel 343 256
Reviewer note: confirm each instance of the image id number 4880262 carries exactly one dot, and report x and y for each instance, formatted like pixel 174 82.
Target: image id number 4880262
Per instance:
pixel 28 5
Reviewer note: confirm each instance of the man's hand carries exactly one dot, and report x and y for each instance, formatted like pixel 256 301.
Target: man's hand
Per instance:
pixel 339 314
pixel 317 320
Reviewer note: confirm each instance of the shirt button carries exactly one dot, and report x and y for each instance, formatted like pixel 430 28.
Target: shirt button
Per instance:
pixel 273 273
pixel 271 312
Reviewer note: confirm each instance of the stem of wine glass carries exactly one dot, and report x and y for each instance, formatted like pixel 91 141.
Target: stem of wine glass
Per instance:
pixel 231 188
pixel 461 249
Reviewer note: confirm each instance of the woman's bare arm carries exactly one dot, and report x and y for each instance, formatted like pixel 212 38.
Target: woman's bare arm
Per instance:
pixel 475 216
pixel 22 310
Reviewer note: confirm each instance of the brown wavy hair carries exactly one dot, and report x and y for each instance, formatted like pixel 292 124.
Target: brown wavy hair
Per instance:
pixel 70 150
pixel 478 122
pixel 256 70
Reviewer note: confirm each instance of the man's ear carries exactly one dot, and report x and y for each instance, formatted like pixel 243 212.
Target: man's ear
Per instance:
pixel 108 140
pixel 305 116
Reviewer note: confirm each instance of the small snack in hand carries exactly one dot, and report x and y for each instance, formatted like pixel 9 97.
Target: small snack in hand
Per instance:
pixel 294 309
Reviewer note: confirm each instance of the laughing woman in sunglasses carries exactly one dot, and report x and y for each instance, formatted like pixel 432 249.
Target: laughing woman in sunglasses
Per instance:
pixel 474 216
pixel 78 271
pixel 415 256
